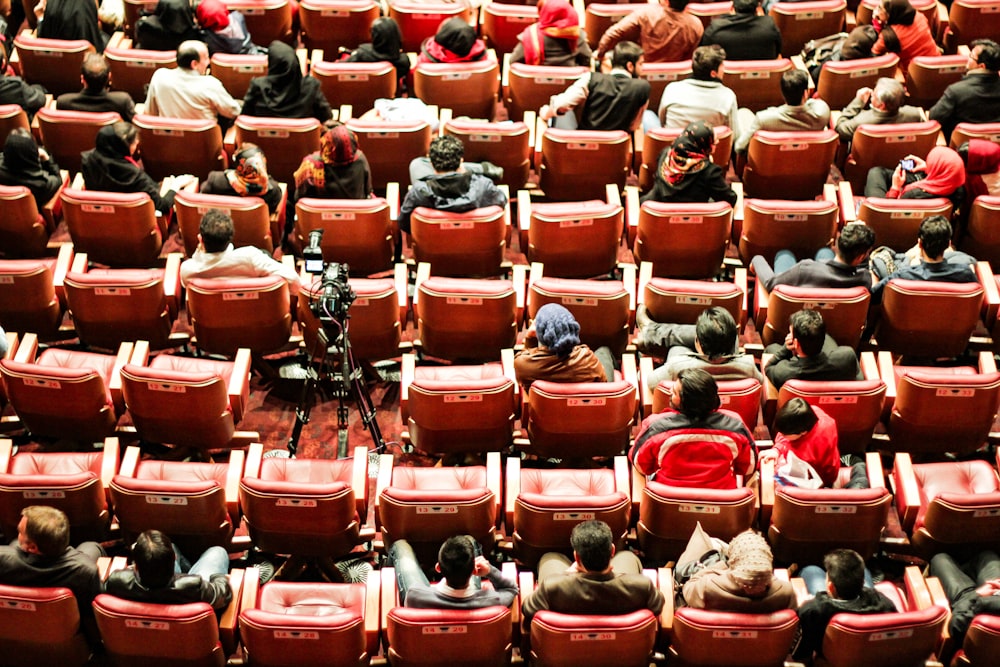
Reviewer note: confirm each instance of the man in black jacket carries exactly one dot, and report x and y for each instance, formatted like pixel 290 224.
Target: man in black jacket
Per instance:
pixel 847 268
pixel 809 353
pixel 744 34
pixel 976 98
pixel 14 90
pixel 95 95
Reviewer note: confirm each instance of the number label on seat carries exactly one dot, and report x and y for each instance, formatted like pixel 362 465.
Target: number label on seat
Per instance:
pixel 40 494
pixel 140 624
pixel 166 500
pixel 295 634
pixel 592 636
pixel 444 630
pixel 836 509
pixel 574 516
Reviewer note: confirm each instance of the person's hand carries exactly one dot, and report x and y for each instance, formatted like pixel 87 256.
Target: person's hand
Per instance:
pixel 183 181
pixel 39 9
pixel 991 587
pixel 898 178
pixel 789 342
pixel 919 164
pixel 43 155
pixel 864 95
pixel 768 455
pixel 546 112
pixel 482 567
pixel 531 337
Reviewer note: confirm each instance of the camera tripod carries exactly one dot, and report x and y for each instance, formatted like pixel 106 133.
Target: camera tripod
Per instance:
pixel 347 380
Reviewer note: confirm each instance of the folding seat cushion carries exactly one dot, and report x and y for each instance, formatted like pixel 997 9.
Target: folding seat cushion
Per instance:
pixel 576 640
pixel 310 625
pixel 551 502
pixel 442 637
pixel 41 626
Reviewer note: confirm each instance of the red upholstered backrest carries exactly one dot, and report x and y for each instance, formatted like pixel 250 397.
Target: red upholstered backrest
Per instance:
pixel 23 232
pixel 504 144
pixel 229 313
pixel 283 140
pixel 839 78
pixel 789 165
pixel 468 244
pixel 897 221
pixel 982 641
pixel 420 20
pixel 909 324
pixel 855 405
pixel 66 134
pixel 770 225
pixel 757 83
pixel 579 419
pixel 806 21
pixel 356 231
pixel 117 305
pixel 575 239
pixel 531 86
pixel 375 317
pixel 330 24
pixel 739 396
pixel 571 640
pixel 357 84
pixel 389 146
pixel 469 88
pixel 682 301
pixel 844 311
pixel 114 228
pixel 41 626
pixel 883 640
pixel 462 318
pixel 474 637
pixel 683 240
pixel 702 637
pixel 251 222
pixel 579 164
pixel 601 308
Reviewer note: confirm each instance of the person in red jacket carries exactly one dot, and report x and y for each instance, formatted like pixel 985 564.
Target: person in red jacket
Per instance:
pixel 694 443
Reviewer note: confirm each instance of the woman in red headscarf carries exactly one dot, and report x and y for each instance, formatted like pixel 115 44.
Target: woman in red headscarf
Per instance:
pixel 225 31
pixel 556 40
pixel 941 175
pixel 338 171
pixel 982 164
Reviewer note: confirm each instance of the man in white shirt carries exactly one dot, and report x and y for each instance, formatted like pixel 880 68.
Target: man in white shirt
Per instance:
pixel 187 92
pixel 701 97
pixel 217 258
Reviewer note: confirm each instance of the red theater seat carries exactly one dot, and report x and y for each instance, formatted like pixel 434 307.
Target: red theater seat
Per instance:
pixel 910 324
pixel 770 225
pixel 839 80
pixel 703 638
pixel 252 222
pixel 228 314
pixel 571 640
pixel 602 308
pixel 578 165
pixel 66 134
pixel 844 311
pixel 680 240
pixel 468 89
pixel 23 230
pixel 356 84
pixel 41 626
pixel 180 146
pixel 114 228
pixel 469 244
pixel 31 293
pixel 330 24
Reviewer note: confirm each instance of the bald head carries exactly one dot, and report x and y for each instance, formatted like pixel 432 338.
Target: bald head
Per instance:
pixel 193 54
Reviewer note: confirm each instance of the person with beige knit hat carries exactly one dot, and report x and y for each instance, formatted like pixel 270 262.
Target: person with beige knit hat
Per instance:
pixel 741 579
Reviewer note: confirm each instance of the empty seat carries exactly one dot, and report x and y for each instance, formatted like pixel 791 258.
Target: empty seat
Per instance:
pixel 789 165
pixel 421 20
pixel 468 89
pixel 358 232
pixel 41 626
pixel 839 80
pixel 284 141
pixel 52 63
pixel 194 503
pixel 969 20
pixel 23 230
pixel 228 314
pixel 356 84
pixel 506 145
pixel 703 638
pixel 427 637
pixel 66 134
pixel 76 483
pixel 602 308
pixel 909 324
pixel 770 225
pixel 113 228
pixel 530 86
pixel 803 21
pixel 928 76
pixel 578 164
pixel 67 394
pixel 681 240
pixel 252 223
pixel 461 318
pixel 312 625
pixel 886 145
pixel 131 69
pixel 330 24
pixel 543 506
pixel 577 640
pixel 952 506
pixel 235 71
pixel 757 83
pixel 896 222
pixel 844 311
pixel 112 306
pixel 31 294
pixel 572 239
pixel 468 244
pixel 187 402
pixel 390 147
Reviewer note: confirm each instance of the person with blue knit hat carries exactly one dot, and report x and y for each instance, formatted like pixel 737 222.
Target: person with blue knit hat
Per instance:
pixel 553 351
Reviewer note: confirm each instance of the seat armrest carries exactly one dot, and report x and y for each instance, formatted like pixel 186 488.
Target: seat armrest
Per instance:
pixel 237 460
pixel 494 473
pixel 802 594
pixel 630 373
pixel 917 594
pixel 251 588
pixel 622 475
pixel 761 298
pixel 392 197
pixel 373 623
pixel 770 393
pixel 80 263
pixel 887 374
pixel 907 498
pixel 628 281
pixel 423 273
pixel 109 463
pixel 766 492
pixel 738 207
pixel 513 490
pixel 28 349
pixel 115 383
pixel 525 586
pixel 991 295
pixel 987 362
pixel 382 482
pixel 140 353
pixel 239 384
pixel 387 577
pixel 632 208
pixel 230 617
pixel 741 280
pixel 103 567
pixel 172 281
pixel 845 196
pixel 645 275
pixel 407 375
pixel 665 581
pixel 523 218
pixel 12 344
pixel 6 452
pixel 509 571
pixel 507 362
pixel 645 391
pixel 869 366
pixel 519 276
pixel 399 277
pixel 359 480
pixel 130 461
pixel 255 455
pixel 876 476
pixel 638 489
pixel 117 563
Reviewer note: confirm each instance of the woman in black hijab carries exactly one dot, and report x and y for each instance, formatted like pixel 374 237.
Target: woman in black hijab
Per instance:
pixel 112 167
pixel 170 24
pixel 386 46
pixel 686 173
pixel 455 42
pixel 71 19
pixel 23 163
pixel 284 91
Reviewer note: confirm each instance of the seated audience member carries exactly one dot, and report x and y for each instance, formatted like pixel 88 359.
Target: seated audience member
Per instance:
pixel 881 106
pixel 737 577
pixel 187 91
pixel 903 31
pixel 553 351
pixel 95 95
pixel 169 25
pixel 798 113
pixel 217 258
pixel 597 581
pixel 855 45
pixel 455 42
pixel 338 171
pixel 845 266
pixel 248 178
pixel 612 101
pixel 664 30
pixel 934 259
pixel 556 40
pixel 225 31
pixel 111 166
pixel 972 588
pixel 14 89
pixel 694 443
pixel 810 434
pixel 284 92
pixel 942 175
pixel 686 173
pixel 809 353
pixel 41 556
pixel 70 19
pixel 744 34
pixel 160 574
pixel 711 344
pixel 386 46
pixel 841 589
pixel 25 163
pixel 461 568
pixel 451 187
pixel 701 97
pixel 976 97
pixel 982 169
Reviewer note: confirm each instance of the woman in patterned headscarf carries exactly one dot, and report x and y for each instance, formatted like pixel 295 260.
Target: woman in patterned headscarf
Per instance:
pixel 685 172
pixel 556 40
pixel 338 171
pixel 248 178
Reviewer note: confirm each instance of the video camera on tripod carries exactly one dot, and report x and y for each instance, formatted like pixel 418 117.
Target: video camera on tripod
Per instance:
pixel 336 296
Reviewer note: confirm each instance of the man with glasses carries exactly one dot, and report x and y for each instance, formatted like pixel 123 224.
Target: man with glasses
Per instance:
pixel 976 98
